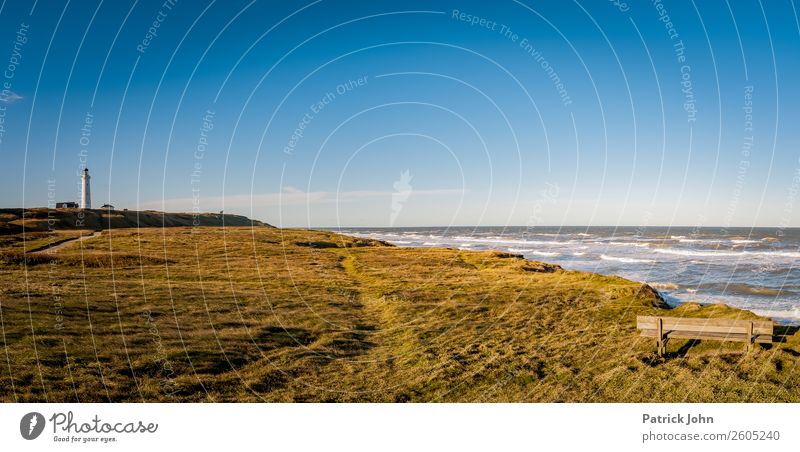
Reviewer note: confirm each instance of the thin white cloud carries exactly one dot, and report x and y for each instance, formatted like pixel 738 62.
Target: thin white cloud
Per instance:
pixel 9 97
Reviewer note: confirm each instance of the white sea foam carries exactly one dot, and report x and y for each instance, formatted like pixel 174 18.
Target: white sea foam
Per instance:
pixel 626 260
pixel 637 245
pixel 663 285
pixel 576 253
pixel 464 238
pixel 727 253
pixel 780 253
pixel 501 241
pixel 696 253
pixel 531 251
pixel 788 314
pixel 703 241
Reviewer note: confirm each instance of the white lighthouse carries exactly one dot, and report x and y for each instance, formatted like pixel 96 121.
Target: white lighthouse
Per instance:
pixel 86 194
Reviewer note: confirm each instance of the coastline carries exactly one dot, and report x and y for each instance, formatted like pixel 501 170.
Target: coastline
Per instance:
pixel 748 268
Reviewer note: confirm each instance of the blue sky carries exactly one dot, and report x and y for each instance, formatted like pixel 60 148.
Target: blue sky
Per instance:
pixel 501 113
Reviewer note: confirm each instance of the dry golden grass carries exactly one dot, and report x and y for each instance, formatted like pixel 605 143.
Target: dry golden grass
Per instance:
pixel 261 314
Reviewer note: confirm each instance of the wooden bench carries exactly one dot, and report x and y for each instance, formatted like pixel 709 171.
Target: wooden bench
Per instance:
pixel 666 328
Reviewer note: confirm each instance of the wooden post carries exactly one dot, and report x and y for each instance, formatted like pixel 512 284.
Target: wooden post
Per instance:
pixel 660 342
pixel 750 337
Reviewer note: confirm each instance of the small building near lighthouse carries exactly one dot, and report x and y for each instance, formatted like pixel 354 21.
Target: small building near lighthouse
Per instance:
pixel 86 193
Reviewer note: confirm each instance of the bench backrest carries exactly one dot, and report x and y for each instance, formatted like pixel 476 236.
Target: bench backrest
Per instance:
pixel 729 329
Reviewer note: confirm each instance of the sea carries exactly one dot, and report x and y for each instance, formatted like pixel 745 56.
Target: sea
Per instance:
pixel 751 268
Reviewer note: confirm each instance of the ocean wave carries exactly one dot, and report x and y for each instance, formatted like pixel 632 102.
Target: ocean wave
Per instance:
pixel 788 314
pixel 779 253
pixel 520 250
pixel 740 288
pixel 663 285
pixel 694 253
pixel 542 242
pixel 509 241
pixel 626 260
pixel 697 253
pixel 462 238
pixel 577 253
pixel 637 245
pixel 718 241
pixel 532 251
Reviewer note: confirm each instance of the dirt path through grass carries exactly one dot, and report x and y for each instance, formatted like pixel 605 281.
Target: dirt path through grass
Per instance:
pixel 55 246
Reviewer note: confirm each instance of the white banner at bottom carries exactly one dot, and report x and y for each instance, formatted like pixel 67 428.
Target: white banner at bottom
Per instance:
pixel 370 427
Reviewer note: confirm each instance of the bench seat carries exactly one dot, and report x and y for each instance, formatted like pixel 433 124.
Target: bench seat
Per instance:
pixel 731 330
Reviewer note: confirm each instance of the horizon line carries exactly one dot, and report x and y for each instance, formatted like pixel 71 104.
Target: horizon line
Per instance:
pixel 548 226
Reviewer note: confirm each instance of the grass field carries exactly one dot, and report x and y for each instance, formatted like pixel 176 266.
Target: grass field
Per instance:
pixel 264 314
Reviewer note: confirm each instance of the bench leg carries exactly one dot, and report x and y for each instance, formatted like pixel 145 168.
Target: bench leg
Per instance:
pixel 661 346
